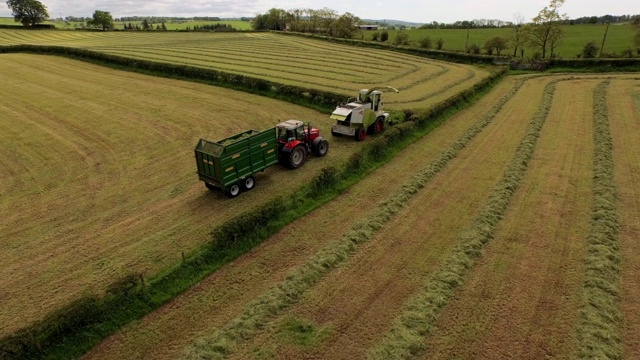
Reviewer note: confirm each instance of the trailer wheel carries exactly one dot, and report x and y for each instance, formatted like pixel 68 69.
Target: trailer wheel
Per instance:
pixel 248 183
pixel 297 157
pixel 322 148
pixel 361 134
pixel 379 125
pixel 233 190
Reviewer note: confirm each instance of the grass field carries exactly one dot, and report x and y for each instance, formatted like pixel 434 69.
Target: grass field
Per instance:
pixel 99 180
pixel 284 59
pixel 619 38
pixel 171 25
pixel 509 298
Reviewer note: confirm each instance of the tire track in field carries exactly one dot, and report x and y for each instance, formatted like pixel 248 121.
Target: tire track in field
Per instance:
pixel 259 312
pixel 406 337
pixel 359 301
pixel 624 117
pixel 522 298
pixel 600 317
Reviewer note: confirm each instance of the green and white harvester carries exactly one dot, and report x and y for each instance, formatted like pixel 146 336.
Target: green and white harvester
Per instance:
pixel 361 115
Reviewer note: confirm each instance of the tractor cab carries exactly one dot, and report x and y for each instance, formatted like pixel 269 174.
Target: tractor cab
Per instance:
pixel 370 99
pixel 290 131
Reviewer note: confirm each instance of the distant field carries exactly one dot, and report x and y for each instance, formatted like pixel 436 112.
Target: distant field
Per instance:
pixel 284 59
pixel 619 38
pixel 171 25
pixel 98 175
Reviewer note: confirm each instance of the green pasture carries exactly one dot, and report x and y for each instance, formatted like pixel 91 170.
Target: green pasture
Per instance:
pixel 619 38
pixel 171 25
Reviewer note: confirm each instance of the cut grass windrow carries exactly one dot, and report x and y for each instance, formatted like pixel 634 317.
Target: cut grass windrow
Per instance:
pixel 259 312
pixel 406 337
pixel 598 329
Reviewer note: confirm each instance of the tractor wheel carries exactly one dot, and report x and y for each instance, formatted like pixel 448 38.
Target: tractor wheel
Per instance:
pixel 233 190
pixel 379 125
pixel 248 183
pixel 209 186
pixel 297 157
pixel 361 134
pixel 322 148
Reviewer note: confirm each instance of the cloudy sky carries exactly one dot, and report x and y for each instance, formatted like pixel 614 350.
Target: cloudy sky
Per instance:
pixel 420 11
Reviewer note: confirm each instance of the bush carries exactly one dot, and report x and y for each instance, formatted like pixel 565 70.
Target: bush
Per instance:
pixel 384 36
pixel 590 50
pixel 402 38
pixel 375 36
pixel 439 44
pixel 426 43
pixel 326 179
pixel 473 49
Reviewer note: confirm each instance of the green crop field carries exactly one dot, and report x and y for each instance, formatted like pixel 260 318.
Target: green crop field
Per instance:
pixel 619 38
pixel 289 60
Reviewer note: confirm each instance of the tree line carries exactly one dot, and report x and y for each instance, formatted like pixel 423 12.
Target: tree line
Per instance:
pixel 323 21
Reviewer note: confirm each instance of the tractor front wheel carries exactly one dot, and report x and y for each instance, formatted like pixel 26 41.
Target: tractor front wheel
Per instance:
pixel 379 125
pixel 322 148
pixel 297 157
pixel 233 190
pixel 361 134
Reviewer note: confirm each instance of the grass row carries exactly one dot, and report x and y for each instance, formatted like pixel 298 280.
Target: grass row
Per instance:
pixel 600 316
pixel 407 336
pixel 274 301
pixel 73 330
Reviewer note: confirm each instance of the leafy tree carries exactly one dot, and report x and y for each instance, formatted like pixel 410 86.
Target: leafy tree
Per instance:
pixel 146 25
pixel 101 19
pixel 402 38
pixel 375 36
pixel 497 43
pixel 590 50
pixel 164 27
pixel 346 26
pixel 545 31
pixel 384 35
pixel 636 23
pixel 28 12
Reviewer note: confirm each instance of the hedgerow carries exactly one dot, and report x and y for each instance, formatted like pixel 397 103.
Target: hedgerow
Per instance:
pixel 406 337
pixel 600 316
pixel 256 314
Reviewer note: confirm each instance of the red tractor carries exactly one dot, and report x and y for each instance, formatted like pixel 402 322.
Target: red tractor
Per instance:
pixel 296 141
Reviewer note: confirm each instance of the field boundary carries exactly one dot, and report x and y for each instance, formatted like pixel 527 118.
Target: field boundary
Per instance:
pixel 76 328
pixel 278 298
pixel 600 316
pixel 406 337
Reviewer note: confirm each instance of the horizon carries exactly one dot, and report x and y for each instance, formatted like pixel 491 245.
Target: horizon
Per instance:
pixel 401 10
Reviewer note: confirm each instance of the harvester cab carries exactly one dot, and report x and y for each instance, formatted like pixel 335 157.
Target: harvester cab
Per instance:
pixel 364 114
pixel 297 140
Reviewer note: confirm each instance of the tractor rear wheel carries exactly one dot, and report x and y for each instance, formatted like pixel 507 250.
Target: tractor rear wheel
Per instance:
pixel 322 148
pixel 233 190
pixel 248 183
pixel 297 157
pixel 361 134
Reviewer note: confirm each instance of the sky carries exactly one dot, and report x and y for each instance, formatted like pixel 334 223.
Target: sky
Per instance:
pixel 419 11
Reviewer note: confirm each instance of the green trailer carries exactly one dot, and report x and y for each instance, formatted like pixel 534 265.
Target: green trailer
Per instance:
pixel 230 164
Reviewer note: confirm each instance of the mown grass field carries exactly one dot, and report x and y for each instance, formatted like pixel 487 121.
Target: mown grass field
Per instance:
pixel 619 38
pixel 99 180
pixel 284 59
pixel 509 178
